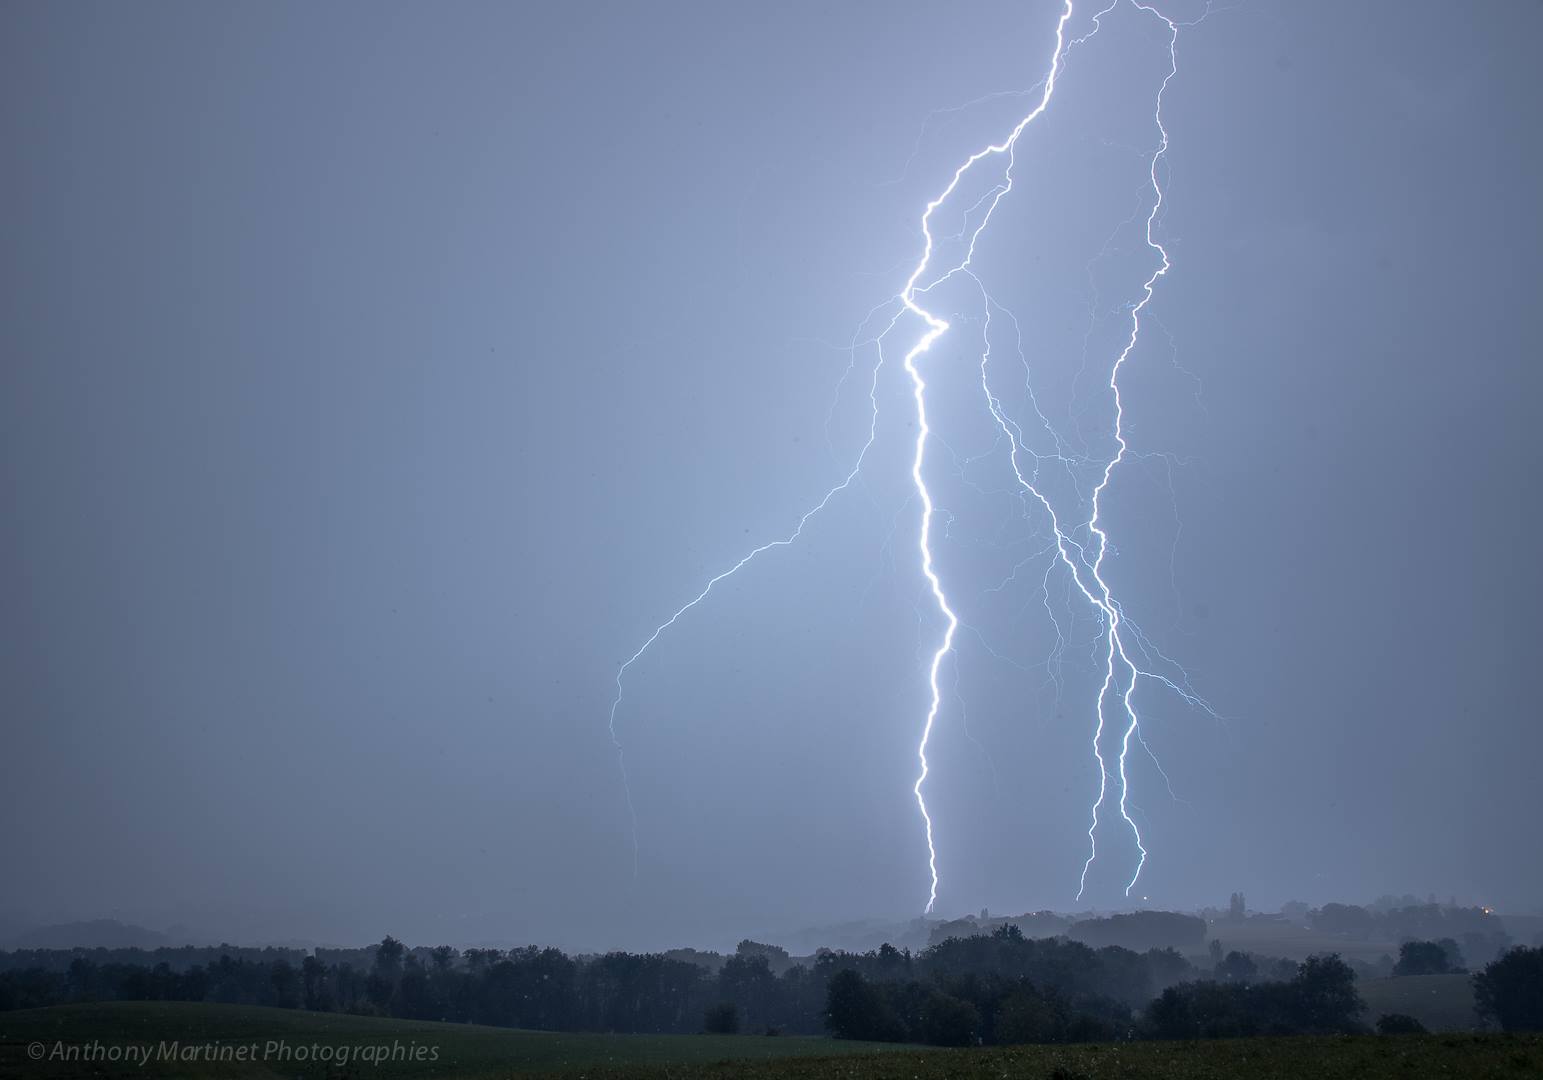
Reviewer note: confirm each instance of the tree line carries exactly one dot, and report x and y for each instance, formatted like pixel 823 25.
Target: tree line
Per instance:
pixel 1477 932
pixel 993 988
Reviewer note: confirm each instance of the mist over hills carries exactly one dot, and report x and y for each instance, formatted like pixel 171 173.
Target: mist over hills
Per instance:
pixel 94 933
pixel 1366 933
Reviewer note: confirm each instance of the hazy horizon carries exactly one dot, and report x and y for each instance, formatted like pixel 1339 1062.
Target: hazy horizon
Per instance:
pixel 854 934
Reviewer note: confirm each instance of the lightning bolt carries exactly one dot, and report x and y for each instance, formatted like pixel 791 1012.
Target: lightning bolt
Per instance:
pixel 1122 641
pixel 1121 673
pixel 936 328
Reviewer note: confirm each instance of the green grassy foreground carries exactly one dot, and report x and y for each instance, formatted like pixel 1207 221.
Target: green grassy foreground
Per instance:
pixel 462 1049
pixel 1361 1057
pixel 483 1053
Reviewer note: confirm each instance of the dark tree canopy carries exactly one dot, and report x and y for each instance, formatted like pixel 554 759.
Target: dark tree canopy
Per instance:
pixel 1509 991
pixel 1428 958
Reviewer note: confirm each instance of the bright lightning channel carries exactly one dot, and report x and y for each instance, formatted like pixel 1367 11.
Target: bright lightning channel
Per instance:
pixel 1121 672
pixel 936 327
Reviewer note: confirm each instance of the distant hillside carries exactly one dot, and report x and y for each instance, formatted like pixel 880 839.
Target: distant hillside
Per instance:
pixel 1141 930
pixel 856 936
pixel 97 933
pixel 1033 924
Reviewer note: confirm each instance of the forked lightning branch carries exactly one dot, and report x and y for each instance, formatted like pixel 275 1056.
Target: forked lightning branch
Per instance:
pixel 1079 540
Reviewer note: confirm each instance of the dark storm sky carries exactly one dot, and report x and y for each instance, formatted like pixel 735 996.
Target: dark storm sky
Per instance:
pixel 376 378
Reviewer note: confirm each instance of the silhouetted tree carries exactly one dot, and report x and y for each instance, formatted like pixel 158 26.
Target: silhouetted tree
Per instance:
pixel 948 1021
pixel 895 963
pixel 1347 920
pixel 81 981
pixel 379 991
pixel 776 956
pixel 1321 998
pixel 1028 1016
pixel 1237 967
pixel 315 993
pixel 1166 967
pixel 286 984
pixel 1325 999
pixel 746 978
pixel 348 987
pixel 388 958
pixel 1199 1010
pixel 1509 991
pixel 721 1019
pixel 854 1009
pixel 1423 958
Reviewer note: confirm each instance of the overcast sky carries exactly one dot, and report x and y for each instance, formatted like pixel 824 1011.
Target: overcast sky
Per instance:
pixel 375 379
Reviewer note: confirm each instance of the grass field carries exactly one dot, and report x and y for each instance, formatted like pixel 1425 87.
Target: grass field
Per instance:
pixel 1440 1002
pixel 462 1049
pixel 483 1053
